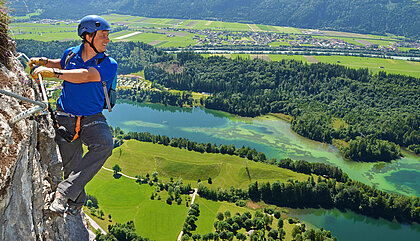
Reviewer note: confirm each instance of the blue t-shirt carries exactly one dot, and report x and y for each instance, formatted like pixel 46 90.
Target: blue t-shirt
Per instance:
pixel 86 98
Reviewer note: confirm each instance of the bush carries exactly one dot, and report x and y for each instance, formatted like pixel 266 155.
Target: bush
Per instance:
pixel 240 203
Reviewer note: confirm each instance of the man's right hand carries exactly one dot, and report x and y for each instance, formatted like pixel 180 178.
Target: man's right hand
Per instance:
pixel 42 61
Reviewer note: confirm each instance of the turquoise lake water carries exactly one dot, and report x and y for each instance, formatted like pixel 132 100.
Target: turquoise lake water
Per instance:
pixel 275 139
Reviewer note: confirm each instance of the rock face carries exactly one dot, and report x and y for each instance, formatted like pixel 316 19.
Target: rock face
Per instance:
pixel 30 168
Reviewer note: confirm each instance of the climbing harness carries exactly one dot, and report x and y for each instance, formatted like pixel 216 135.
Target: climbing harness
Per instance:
pixel 62 130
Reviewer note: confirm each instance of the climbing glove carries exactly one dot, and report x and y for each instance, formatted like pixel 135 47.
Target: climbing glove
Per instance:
pixel 37 61
pixel 46 72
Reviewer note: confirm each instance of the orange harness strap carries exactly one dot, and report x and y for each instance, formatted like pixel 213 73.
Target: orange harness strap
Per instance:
pixel 77 129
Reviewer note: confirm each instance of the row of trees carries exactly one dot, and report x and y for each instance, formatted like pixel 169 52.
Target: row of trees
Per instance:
pixel 382 105
pixel 130 56
pixel 326 193
pixel 184 143
pixel 120 232
pixel 192 217
pixel 156 96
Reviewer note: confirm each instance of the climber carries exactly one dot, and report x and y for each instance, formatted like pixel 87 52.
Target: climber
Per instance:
pixel 85 71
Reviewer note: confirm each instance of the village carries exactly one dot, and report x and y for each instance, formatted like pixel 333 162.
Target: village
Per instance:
pixel 217 38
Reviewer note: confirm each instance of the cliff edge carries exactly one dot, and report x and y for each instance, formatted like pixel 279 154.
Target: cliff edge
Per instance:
pixel 30 165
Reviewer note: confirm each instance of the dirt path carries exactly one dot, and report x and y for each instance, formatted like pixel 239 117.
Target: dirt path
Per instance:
pixel 122 174
pixel 311 59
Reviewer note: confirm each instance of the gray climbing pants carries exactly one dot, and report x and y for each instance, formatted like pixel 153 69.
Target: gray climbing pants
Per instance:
pixel 79 169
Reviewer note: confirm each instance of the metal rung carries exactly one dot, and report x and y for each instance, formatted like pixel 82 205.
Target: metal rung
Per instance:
pixel 25 114
pixel 43 105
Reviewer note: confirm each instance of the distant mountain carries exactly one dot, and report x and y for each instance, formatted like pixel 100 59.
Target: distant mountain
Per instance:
pixel 400 17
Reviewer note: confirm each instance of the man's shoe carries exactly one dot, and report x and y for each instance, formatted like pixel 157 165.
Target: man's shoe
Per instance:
pixel 59 205
pixel 73 210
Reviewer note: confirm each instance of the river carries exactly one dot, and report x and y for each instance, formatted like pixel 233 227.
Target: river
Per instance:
pixel 274 137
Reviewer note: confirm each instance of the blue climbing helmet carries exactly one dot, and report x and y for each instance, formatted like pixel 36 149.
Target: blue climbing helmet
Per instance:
pixel 91 24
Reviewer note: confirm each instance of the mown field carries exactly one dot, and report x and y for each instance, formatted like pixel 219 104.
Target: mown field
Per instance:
pixel 126 200
pixel 375 65
pixel 140 158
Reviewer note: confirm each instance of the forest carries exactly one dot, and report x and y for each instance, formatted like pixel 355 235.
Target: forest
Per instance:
pixel 325 193
pixel 373 106
pixel 399 17
pixel 131 56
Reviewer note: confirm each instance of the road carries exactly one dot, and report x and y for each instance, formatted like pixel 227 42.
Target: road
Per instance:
pixel 94 224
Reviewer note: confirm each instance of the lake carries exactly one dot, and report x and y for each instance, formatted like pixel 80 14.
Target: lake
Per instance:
pixel 266 134
pixel 275 139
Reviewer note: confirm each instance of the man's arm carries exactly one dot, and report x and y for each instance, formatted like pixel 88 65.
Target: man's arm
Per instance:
pixel 76 76
pixel 53 63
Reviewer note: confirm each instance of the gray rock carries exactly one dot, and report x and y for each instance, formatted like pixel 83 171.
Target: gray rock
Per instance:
pixel 30 170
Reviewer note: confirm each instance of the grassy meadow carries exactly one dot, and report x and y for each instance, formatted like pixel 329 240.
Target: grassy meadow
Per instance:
pixel 140 158
pixel 126 200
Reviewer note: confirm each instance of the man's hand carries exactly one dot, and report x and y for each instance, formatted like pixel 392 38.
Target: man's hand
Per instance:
pixel 38 62
pixel 46 72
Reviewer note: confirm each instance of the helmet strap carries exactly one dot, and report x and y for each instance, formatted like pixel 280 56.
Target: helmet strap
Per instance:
pixel 91 43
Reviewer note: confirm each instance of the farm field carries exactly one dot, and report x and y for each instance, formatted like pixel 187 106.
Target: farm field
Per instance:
pixel 137 22
pixel 393 66
pixel 126 200
pixel 279 57
pixel 140 158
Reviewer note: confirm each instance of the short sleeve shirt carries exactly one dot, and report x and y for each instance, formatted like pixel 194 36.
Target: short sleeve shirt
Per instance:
pixel 86 99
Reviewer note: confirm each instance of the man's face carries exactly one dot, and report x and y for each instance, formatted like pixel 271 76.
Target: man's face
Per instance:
pixel 101 40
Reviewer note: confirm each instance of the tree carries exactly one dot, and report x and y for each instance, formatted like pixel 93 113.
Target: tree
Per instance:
pixel 273 233
pixel 241 236
pixel 277 214
pixel 280 223
pixel 220 216
pixel 89 203
pixel 116 169
pixel 185 237
pixel 196 236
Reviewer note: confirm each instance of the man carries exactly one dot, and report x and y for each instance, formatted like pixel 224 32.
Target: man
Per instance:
pixel 83 69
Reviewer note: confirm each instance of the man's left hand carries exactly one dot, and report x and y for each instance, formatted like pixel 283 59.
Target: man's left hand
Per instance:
pixel 46 72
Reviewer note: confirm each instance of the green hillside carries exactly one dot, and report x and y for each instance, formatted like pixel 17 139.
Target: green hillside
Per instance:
pixel 126 200
pixel 140 158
